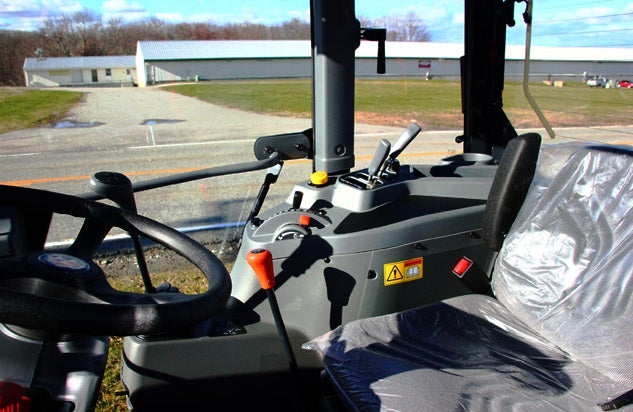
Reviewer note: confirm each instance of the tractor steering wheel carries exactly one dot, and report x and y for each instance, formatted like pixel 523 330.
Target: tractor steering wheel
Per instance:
pixel 67 292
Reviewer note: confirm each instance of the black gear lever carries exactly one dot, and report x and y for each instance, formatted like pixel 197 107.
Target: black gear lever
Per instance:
pixel 117 187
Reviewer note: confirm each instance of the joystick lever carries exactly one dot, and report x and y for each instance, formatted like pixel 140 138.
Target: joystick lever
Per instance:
pixel 405 138
pixel 403 141
pixel 261 261
pixel 382 151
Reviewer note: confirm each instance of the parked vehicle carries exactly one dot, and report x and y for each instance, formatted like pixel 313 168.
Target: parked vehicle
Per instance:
pixel 626 84
pixel 597 82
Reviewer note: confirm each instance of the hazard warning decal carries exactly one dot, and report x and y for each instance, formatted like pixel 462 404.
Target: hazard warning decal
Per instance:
pixel 403 271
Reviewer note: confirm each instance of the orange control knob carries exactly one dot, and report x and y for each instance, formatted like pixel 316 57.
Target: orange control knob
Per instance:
pixel 304 220
pixel 261 261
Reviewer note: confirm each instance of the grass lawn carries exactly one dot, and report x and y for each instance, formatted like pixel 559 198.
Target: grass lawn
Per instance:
pixel 434 104
pixel 22 108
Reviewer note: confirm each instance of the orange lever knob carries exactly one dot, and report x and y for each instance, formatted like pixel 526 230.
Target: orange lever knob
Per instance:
pixel 261 261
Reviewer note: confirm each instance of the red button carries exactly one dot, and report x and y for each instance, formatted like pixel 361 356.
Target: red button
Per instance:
pixel 462 266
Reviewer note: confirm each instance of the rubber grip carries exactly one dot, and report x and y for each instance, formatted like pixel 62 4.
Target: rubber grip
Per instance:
pixel 261 261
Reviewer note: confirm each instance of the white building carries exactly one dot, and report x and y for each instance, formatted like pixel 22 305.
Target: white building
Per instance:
pixel 176 61
pixel 79 71
pixel 167 61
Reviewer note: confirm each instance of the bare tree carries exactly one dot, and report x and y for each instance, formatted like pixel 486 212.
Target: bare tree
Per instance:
pixel 115 39
pixel 75 34
pixel 15 46
pixel 409 27
pixel 365 21
pixel 195 31
pixel 295 29
pixel 61 39
pixel 87 26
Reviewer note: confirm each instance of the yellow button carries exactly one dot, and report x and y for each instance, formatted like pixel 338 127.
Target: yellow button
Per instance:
pixel 319 178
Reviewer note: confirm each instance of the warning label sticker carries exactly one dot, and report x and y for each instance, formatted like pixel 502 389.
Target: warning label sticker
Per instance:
pixel 403 271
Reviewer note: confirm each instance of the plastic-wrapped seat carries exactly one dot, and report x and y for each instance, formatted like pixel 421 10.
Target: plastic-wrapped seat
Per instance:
pixel 557 336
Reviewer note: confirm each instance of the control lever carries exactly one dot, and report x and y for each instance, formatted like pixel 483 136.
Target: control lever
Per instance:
pixel 270 179
pixel 382 151
pixel 403 141
pixel 261 261
pixel 379 35
pixel 405 138
pixel 117 187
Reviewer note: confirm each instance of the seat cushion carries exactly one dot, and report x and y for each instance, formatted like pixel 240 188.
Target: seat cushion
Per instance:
pixel 465 353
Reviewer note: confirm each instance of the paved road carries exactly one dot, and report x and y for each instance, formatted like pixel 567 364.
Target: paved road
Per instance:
pixel 196 134
pixel 193 134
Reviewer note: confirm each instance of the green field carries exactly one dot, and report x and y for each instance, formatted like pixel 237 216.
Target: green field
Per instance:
pixel 435 104
pixel 22 108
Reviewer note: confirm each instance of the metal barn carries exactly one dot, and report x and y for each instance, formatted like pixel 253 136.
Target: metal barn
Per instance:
pixel 168 61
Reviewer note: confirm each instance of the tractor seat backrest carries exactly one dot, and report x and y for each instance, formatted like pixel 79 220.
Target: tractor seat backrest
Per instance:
pixel 509 187
pixel 566 265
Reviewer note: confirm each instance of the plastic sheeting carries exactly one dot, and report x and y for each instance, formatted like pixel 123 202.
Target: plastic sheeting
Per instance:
pixel 559 336
pixel 566 268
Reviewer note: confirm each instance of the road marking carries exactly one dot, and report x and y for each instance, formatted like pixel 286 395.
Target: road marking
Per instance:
pixel 193 144
pixel 217 142
pixel 29 182
pixel 19 154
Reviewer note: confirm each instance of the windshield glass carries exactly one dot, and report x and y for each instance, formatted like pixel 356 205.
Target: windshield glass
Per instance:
pixel 156 89
pixel 151 91
pixel 174 95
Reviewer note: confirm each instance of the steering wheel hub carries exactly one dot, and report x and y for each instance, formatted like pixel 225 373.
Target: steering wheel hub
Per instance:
pixel 64 262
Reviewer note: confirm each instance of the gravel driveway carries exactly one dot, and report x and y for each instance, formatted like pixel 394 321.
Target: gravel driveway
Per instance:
pixel 124 110
pixel 121 113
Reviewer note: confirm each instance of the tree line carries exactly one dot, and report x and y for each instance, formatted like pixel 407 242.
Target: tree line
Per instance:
pixel 85 34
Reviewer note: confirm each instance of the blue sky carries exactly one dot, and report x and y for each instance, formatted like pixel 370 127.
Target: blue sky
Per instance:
pixel 607 23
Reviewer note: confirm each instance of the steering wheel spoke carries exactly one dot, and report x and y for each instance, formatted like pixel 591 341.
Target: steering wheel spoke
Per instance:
pixel 89 238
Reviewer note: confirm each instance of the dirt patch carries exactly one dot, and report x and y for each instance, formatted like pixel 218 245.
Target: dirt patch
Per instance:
pixel 521 118
pixel 432 121
pixel 160 260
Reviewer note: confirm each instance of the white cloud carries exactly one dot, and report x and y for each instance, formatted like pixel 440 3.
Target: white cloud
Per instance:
pixel 121 6
pixel 17 6
pixel 171 17
pixel 29 15
pixel 122 9
pixel 299 14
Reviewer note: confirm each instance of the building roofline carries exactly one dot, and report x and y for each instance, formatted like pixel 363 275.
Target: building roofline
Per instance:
pixel 286 49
